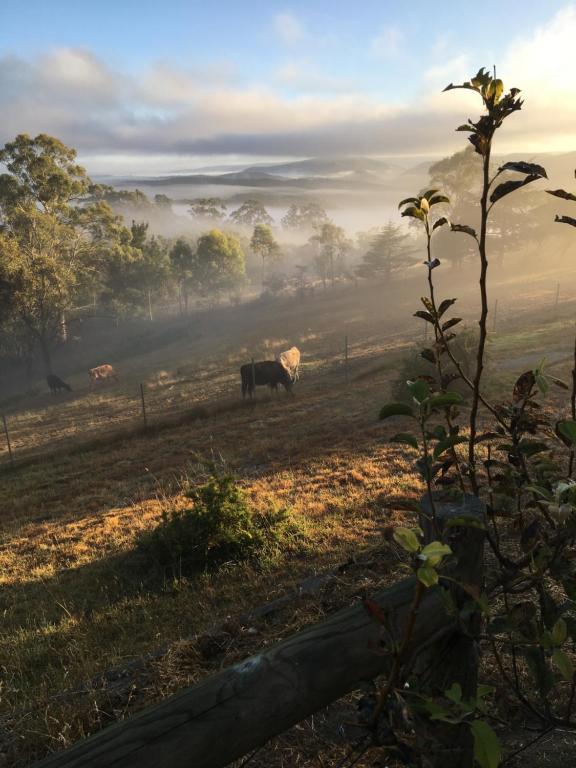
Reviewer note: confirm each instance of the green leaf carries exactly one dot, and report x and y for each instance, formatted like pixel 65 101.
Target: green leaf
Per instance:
pixel 427 303
pixel 419 390
pixel 539 491
pixel 565 220
pixel 448 443
pixel 532 447
pixel 440 223
pixel 444 305
pixel 523 167
pixel 411 200
pixel 395 409
pixel 424 316
pixel 541 382
pixel 428 576
pixel 567 428
pixel 494 91
pixel 446 399
pixel 429 355
pixel 434 552
pixel 559 632
pixel 563 663
pixel 561 193
pixel 487 749
pixel 454 693
pixel 464 228
pixel 406 438
pixel 407 539
pixel 511 186
pixel 415 213
pixel 438 199
pixel 451 323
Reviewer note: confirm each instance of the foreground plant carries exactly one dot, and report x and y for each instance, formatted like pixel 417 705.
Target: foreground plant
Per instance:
pixel 515 463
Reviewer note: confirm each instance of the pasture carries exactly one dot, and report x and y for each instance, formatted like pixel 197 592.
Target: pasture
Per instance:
pixel 88 479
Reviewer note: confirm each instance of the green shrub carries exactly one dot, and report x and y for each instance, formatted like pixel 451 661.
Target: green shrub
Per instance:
pixel 218 527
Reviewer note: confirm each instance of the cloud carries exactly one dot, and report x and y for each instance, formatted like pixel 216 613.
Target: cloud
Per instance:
pixel 166 85
pixel 288 28
pixel 388 43
pixel 167 111
pixel 303 76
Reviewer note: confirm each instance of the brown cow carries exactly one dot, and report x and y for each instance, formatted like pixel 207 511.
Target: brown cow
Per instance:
pixel 102 373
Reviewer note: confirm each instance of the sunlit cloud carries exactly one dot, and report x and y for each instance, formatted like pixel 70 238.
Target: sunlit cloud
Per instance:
pixel 300 108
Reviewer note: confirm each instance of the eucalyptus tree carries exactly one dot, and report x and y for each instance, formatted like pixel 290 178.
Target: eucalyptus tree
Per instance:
pixel 219 264
pixel 333 247
pixel 251 213
pixel 56 241
pixel 208 208
pixel 264 245
pixel 304 216
pixel 182 258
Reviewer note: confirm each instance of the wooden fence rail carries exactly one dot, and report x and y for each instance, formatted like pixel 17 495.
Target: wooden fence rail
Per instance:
pixel 241 708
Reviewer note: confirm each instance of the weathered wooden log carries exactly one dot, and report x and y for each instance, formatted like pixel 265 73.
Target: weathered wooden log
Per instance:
pixel 239 709
pixel 230 714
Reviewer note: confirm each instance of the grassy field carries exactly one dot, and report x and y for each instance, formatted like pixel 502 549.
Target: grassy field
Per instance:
pixel 76 603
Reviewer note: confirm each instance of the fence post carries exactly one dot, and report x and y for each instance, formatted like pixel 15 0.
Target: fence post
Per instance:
pixel 253 391
pixel 454 659
pixel 143 406
pixel 495 315
pixel 8 440
pixel 346 358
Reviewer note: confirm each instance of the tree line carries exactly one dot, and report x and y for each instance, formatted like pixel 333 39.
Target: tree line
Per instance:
pixel 66 244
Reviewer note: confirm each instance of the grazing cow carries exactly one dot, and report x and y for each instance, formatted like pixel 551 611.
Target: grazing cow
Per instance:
pixel 102 373
pixel 266 372
pixel 56 384
pixel 291 361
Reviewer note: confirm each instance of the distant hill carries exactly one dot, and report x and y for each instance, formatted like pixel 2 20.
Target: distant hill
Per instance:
pixel 329 167
pixel 354 174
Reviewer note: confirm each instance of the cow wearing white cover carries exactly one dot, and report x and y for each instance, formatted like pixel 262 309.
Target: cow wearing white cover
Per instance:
pixel 290 359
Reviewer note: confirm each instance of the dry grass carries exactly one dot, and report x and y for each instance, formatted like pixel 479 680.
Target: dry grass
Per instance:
pixel 76 602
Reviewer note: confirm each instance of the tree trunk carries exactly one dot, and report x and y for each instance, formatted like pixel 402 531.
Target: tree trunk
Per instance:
pixel 150 306
pixel 63 327
pixel 46 356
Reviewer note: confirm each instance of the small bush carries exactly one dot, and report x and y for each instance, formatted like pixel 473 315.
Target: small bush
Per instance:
pixel 217 528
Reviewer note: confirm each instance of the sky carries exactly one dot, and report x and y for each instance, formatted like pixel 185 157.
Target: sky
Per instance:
pixel 149 87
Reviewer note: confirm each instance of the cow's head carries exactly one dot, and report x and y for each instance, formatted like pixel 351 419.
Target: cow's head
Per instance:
pixel 286 378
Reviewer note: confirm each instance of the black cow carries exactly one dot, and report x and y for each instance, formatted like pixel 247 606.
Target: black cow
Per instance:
pixel 269 372
pixel 56 384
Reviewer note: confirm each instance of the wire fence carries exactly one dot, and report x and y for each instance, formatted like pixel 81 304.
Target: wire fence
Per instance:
pixel 64 422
